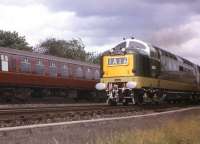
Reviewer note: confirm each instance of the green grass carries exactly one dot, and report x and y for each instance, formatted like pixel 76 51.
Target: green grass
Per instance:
pixel 185 131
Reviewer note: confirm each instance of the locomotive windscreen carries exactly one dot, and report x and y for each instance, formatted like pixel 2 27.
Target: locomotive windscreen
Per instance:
pixel 120 46
pixel 136 45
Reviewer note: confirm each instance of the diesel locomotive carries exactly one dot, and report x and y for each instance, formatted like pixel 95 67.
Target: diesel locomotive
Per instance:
pixel 139 72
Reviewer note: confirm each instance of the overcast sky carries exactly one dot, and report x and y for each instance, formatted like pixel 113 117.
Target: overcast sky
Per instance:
pixel 171 24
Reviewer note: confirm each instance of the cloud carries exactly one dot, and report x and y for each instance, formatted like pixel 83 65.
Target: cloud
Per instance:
pixel 34 21
pixel 173 25
pixel 20 2
pixel 183 40
pixel 174 36
pixel 191 5
pixel 37 23
pixel 125 17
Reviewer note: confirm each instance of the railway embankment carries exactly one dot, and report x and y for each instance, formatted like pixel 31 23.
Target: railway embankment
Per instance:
pixel 88 131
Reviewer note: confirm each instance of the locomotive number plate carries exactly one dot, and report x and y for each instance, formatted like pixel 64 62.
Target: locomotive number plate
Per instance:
pixel 118 61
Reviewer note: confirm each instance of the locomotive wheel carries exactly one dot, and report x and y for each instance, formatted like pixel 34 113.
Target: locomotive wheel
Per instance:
pixel 125 102
pixel 138 97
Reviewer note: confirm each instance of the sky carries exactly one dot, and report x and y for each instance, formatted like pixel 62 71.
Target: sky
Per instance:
pixel 173 25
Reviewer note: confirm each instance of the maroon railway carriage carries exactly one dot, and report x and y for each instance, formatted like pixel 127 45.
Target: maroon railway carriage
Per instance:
pixel 27 69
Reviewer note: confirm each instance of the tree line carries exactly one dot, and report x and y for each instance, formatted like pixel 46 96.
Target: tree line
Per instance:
pixel 72 49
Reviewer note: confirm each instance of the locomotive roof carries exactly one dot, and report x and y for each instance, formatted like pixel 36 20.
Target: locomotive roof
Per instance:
pixel 125 45
pixel 179 58
pixel 149 47
pixel 43 56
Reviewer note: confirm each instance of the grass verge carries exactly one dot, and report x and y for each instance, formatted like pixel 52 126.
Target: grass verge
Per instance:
pixel 186 131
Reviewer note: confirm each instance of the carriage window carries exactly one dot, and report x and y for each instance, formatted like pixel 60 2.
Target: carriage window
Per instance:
pixel 180 68
pixel 26 60
pixel 39 67
pixel 25 65
pixel 96 75
pixel 64 71
pixel 79 72
pixel 4 63
pixel 4 58
pixel 88 74
pixel 64 66
pixel 52 64
pixel 39 62
pixel 52 69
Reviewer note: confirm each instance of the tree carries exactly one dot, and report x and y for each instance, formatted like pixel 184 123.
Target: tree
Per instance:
pixel 13 40
pixel 76 50
pixel 52 47
pixel 94 58
pixel 73 49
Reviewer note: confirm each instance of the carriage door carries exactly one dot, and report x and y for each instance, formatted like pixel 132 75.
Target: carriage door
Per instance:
pixel 4 63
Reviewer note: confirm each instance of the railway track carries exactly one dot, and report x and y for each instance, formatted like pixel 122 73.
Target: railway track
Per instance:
pixel 10 117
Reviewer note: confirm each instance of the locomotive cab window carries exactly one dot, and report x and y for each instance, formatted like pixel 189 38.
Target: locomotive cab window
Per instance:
pixel 120 46
pixel 136 45
pixel 154 52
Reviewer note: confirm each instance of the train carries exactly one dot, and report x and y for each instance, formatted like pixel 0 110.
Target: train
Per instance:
pixel 139 72
pixel 26 74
